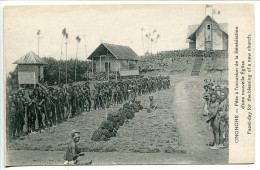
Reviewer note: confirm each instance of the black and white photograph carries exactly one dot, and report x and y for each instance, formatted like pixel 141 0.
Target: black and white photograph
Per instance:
pixel 127 84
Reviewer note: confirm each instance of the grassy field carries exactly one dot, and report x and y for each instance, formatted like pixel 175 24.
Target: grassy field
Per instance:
pixel 146 133
pixel 174 133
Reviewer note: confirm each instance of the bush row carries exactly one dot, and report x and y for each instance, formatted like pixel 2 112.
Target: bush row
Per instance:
pixel 109 128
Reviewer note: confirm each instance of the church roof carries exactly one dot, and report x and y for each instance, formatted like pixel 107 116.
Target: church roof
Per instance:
pixel 194 28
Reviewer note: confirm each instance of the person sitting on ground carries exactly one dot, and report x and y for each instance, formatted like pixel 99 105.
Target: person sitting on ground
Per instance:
pixel 151 105
pixel 73 152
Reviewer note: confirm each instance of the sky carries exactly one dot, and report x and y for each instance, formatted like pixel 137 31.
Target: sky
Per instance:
pixel 115 24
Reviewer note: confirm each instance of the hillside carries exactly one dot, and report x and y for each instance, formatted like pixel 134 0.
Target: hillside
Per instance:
pixel 180 61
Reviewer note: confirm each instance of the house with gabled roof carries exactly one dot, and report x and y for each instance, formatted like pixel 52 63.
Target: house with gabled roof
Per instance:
pixel 209 35
pixel 30 69
pixel 115 58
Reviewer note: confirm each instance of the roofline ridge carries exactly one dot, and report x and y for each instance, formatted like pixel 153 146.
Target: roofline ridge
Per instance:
pixel 110 51
pixel 212 19
pixel 33 57
pixel 117 45
pixel 134 56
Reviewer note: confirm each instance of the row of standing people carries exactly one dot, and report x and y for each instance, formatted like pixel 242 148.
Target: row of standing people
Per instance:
pixel 216 108
pixel 43 107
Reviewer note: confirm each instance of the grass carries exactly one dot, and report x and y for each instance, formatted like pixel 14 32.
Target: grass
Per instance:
pixel 146 133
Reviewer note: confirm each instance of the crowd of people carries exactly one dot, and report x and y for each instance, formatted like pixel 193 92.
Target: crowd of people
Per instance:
pixel 185 53
pixel 216 108
pixel 181 60
pixel 43 107
pixel 100 76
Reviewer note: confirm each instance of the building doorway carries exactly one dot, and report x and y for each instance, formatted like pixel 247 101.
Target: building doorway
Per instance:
pixel 107 66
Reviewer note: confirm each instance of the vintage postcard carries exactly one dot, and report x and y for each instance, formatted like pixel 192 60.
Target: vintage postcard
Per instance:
pixel 129 84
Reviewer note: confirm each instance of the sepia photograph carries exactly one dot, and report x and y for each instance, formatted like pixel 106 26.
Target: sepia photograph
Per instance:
pixel 127 84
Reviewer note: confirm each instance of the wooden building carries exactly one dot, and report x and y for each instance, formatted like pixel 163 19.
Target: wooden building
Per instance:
pixel 209 35
pixel 116 59
pixel 30 69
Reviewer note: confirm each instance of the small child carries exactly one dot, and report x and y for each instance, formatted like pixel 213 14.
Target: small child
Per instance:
pixel 206 98
pixel 73 152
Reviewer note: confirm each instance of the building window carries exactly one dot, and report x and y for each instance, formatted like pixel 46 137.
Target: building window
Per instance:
pixel 132 65
pixel 208 26
pixel 209 38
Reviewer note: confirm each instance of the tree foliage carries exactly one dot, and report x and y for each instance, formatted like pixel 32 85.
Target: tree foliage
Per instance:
pixel 51 71
pixel 12 80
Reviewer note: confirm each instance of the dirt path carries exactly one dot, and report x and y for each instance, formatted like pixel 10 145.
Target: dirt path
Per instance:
pixel 191 125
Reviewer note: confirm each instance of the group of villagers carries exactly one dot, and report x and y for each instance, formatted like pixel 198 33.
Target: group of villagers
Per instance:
pixel 216 109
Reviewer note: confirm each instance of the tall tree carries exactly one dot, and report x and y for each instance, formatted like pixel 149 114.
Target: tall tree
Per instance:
pixel 61 53
pixel 152 40
pixel 67 37
pixel 151 45
pixel 38 34
pixel 149 42
pixel 12 81
pixel 86 57
pixel 148 36
pixel 78 39
pixel 155 43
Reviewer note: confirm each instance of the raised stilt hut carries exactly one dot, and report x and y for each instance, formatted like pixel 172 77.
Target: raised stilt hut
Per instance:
pixel 30 70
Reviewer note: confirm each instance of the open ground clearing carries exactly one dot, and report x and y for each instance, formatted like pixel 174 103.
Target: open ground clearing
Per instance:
pixel 174 133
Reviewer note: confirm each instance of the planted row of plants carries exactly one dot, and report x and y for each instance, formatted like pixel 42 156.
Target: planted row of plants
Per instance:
pixel 109 128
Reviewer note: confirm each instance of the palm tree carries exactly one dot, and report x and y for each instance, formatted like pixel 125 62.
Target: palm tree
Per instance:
pixel 151 45
pixel 86 57
pixel 78 39
pixel 67 37
pixel 152 40
pixel 148 40
pixel 38 33
pixel 63 35
pixel 157 37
